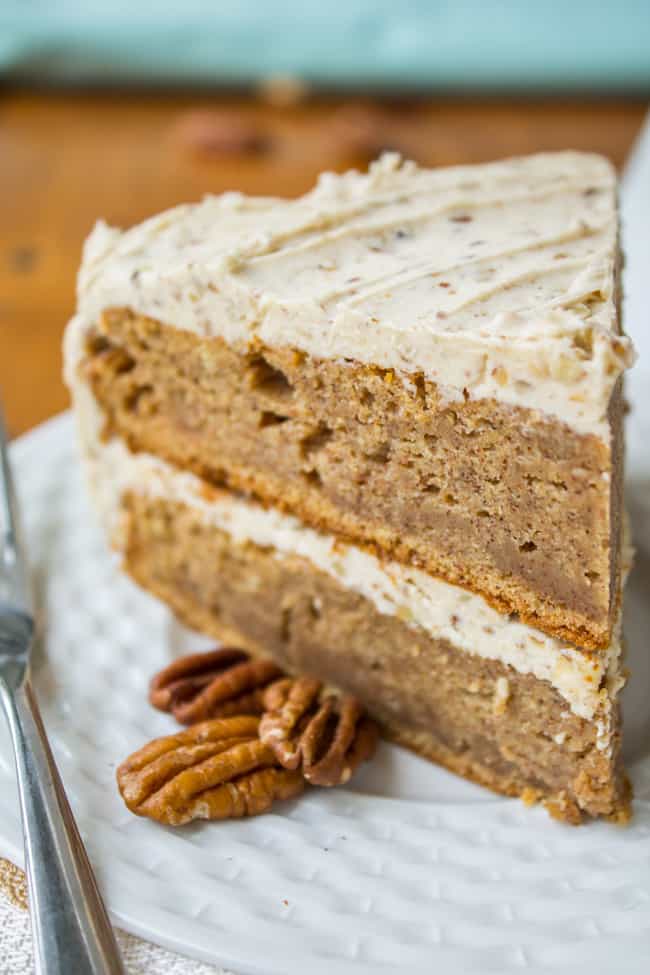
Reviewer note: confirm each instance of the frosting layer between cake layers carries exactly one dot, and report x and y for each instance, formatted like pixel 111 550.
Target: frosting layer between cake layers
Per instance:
pixel 588 682
pixel 494 281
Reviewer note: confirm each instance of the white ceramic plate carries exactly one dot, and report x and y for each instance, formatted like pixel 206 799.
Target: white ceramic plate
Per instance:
pixel 408 869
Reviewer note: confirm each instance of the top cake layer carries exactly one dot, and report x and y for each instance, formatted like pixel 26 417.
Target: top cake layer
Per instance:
pixel 493 281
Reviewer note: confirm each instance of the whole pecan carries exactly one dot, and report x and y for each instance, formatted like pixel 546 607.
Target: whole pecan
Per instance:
pixel 216 769
pixel 212 685
pixel 325 736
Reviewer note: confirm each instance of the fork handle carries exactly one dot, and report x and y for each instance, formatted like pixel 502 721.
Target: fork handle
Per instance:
pixel 70 925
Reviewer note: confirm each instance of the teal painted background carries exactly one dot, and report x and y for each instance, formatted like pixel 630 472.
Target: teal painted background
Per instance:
pixel 449 44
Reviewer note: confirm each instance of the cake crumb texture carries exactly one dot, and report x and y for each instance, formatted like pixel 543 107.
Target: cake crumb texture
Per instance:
pixel 498 499
pixel 428 695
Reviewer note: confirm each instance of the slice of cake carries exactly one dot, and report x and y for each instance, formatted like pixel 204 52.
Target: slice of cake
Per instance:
pixel 423 361
pixel 446 674
pixel 375 432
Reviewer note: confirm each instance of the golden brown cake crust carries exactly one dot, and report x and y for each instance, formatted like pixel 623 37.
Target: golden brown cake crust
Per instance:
pixel 478 717
pixel 493 498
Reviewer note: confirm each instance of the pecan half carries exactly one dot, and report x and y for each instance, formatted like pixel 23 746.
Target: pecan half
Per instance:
pixel 217 769
pixel 216 684
pixel 326 737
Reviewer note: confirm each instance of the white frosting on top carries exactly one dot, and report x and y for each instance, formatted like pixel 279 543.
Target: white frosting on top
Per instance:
pixel 444 611
pixel 495 280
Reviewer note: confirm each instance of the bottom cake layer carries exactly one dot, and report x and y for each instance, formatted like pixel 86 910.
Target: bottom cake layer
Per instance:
pixel 443 672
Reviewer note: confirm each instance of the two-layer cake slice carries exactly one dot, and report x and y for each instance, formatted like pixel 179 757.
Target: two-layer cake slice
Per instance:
pixel 414 374
pixel 444 672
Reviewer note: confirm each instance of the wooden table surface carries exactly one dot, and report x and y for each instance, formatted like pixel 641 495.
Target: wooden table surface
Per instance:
pixel 68 159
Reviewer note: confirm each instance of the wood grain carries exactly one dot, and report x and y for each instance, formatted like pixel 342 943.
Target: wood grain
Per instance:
pixel 68 159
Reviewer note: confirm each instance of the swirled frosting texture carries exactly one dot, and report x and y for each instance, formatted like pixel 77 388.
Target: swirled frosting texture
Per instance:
pixel 493 281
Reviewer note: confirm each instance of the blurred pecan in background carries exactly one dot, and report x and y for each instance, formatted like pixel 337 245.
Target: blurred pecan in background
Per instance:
pixel 220 132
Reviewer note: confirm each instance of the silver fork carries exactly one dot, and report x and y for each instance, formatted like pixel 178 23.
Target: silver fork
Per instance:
pixel 71 930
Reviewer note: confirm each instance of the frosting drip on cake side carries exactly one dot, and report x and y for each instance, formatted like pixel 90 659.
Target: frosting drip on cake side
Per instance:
pixel 494 281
